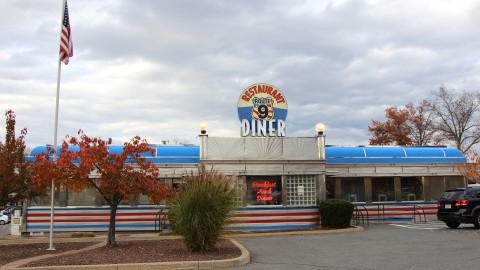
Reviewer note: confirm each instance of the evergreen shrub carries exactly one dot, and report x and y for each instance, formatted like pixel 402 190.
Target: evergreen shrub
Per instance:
pixel 336 213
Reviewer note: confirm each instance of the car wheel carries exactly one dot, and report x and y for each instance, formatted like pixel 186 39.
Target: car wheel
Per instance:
pixel 453 224
pixel 476 221
pixel 2 222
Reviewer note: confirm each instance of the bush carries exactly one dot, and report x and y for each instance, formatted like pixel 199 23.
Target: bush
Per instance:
pixel 171 217
pixel 336 213
pixel 206 201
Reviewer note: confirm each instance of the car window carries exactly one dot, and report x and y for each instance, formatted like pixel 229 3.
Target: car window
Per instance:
pixel 452 195
pixel 472 193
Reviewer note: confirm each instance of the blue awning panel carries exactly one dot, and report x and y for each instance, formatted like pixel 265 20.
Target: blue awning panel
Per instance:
pixel 161 154
pixel 334 154
pixel 382 152
pixel 392 154
pixel 341 152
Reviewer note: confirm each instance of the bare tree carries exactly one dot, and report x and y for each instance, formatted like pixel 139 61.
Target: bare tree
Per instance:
pixel 422 122
pixel 457 117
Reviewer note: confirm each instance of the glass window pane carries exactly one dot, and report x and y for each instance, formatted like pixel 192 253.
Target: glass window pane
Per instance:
pixel 330 186
pixel 264 190
pixel 436 186
pixel 454 182
pixel 46 200
pixel 85 197
pixel 301 190
pixel 144 200
pixel 353 189
pixel 383 189
pixel 412 189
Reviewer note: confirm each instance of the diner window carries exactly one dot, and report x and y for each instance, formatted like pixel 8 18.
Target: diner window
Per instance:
pixel 85 197
pixel 383 189
pixel 436 186
pixel 353 189
pixel 46 199
pixel 177 184
pixel 240 191
pixel 330 187
pixel 144 199
pixel 412 189
pixel 454 182
pixel 127 200
pixel 264 190
pixel 301 190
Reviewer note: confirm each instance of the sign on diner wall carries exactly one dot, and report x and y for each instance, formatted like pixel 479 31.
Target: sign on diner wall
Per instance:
pixel 262 110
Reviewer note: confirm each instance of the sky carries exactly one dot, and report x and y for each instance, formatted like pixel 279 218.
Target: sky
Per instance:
pixel 158 68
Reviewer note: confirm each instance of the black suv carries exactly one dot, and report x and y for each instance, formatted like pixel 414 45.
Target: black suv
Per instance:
pixel 460 205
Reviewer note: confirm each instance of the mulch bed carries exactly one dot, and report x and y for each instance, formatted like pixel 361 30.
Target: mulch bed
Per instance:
pixel 127 251
pixel 15 252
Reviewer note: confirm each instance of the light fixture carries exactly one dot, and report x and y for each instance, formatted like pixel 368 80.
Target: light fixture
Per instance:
pixel 300 190
pixel 320 128
pixel 203 127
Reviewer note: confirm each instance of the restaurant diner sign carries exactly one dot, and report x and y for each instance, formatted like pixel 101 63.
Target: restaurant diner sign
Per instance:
pixel 262 110
pixel 264 190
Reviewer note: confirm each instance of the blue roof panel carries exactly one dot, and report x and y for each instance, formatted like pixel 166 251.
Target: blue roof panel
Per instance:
pixel 162 154
pixel 178 151
pixel 393 154
pixel 334 154
pixel 453 152
pixel 426 152
pixel 340 152
pixel 383 152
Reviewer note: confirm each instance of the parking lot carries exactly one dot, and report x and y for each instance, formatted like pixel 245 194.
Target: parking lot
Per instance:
pixel 5 229
pixel 380 246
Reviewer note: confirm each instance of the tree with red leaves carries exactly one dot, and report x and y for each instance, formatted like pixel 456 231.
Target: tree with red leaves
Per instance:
pixel 87 162
pixel 411 125
pixel 450 117
pixel 395 130
pixel 471 170
pixel 15 184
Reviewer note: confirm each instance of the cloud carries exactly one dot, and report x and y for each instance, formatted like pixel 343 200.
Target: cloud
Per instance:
pixel 158 68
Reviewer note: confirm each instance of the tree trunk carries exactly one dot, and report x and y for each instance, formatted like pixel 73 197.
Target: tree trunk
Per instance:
pixel 112 242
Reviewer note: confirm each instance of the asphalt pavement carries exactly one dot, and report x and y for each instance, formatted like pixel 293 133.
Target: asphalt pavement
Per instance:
pixel 5 229
pixel 379 246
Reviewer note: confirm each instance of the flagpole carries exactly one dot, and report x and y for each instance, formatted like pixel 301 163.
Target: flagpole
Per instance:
pixel 57 101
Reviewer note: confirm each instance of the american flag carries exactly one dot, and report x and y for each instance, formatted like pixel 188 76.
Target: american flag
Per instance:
pixel 66 45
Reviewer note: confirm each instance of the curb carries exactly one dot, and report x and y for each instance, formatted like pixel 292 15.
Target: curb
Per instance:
pixel 289 233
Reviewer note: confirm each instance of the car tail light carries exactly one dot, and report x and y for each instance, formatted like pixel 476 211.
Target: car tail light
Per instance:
pixel 462 202
pixel 439 204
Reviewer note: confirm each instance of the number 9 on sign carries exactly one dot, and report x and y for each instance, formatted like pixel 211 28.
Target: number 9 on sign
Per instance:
pixel 262 111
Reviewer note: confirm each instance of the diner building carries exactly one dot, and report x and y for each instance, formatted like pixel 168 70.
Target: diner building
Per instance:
pixel 280 180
